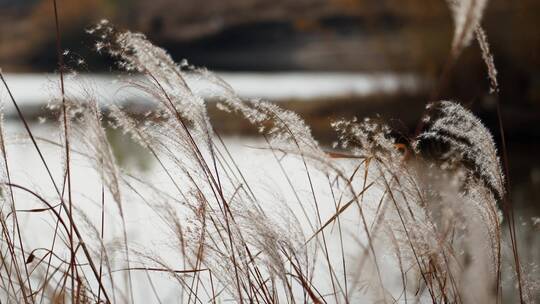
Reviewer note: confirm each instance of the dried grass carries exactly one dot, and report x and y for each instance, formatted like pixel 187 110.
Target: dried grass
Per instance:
pixel 375 224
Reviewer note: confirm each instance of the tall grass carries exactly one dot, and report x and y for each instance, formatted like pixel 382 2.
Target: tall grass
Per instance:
pixel 373 220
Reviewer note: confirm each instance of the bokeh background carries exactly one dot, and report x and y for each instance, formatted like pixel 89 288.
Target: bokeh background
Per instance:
pixel 365 36
pixel 402 37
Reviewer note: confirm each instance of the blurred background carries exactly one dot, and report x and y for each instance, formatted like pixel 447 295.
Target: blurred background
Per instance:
pixel 325 59
pixel 354 36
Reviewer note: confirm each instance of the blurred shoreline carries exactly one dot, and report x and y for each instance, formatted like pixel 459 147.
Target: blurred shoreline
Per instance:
pixel 319 98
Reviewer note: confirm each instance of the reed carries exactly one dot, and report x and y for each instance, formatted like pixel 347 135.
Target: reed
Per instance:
pixel 369 220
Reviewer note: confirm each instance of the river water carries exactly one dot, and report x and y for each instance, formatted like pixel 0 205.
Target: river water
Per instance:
pixel 144 226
